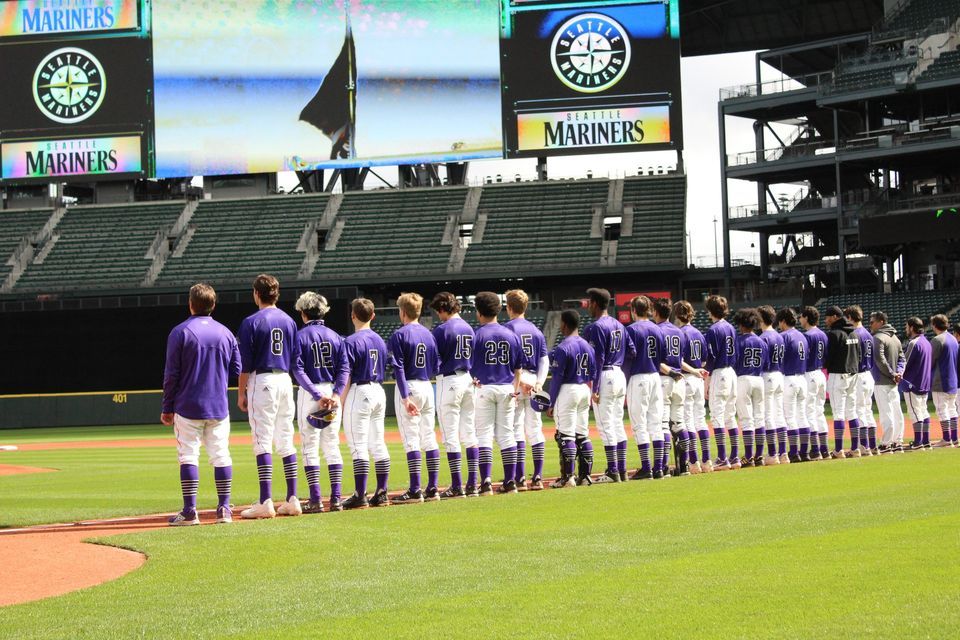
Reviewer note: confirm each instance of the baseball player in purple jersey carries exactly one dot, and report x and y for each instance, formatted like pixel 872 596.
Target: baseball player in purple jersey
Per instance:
pixel 527 423
pixel 413 354
pixel 794 385
pixel 674 387
pixel 863 394
pixel 721 340
pixel 321 371
pixel 753 359
pixel 644 391
pixel 915 381
pixel 817 352
pixel 775 426
pixel 574 369
pixel 955 330
pixel 456 394
pixel 694 410
pixel 268 350
pixel 606 336
pixel 495 366
pixel 202 355
pixel 943 385
pixel 364 407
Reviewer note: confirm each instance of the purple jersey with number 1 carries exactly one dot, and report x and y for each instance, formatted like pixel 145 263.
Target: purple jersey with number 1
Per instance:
pixel 497 353
pixel 321 358
pixel 413 353
pixel 267 340
pixel 366 353
pixel 454 344
pixel 571 362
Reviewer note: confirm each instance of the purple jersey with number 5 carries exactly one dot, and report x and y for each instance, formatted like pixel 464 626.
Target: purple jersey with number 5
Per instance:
pixel 366 353
pixel 532 340
pixel 754 356
pixel 573 361
pixel 497 353
pixel 413 353
pixel 267 340
pixel 454 344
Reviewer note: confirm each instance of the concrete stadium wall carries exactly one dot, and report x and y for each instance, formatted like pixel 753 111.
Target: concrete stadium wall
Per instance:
pixel 102 408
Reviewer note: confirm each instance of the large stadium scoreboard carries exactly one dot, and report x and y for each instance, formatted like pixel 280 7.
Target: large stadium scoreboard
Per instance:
pixel 121 89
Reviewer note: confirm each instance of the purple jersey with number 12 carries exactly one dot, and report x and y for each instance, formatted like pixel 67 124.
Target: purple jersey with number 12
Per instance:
pixel 267 340
pixel 321 358
pixel 571 362
pixel 366 353
pixel 497 353
pixel 454 344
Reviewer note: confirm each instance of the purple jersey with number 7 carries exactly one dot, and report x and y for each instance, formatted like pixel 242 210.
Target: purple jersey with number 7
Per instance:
pixel 366 353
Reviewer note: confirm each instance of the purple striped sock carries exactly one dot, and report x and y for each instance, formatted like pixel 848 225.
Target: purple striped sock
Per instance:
pixel 486 463
pixel 854 434
pixel 189 483
pixel 361 469
pixel 838 427
pixel 690 446
pixel 803 435
pixel 383 473
pixel 455 461
pixel 704 445
pixel 748 443
pixel 953 430
pixel 313 481
pixel 781 440
pixel 644 450
pixel 657 455
pixel 521 460
pixel 823 438
pixel 473 465
pixel 432 459
pixel 864 434
pixel 720 435
pixel 926 431
pixel 538 451
pixel 917 433
pixel 771 441
pixel 568 452
pixel 734 443
pixel 611 453
pixel 290 474
pixel 586 456
pixel 265 475
pixel 872 436
pixel 508 457
pixel 622 456
pixel 413 465
pixel 667 440
pixel 336 479
pixel 223 477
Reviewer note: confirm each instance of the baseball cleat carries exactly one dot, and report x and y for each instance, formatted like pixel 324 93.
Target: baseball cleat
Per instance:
pixel 865 452
pixel 721 465
pixel 336 504
pixel 784 458
pixel 815 456
pixel 940 444
pixel 432 494
pixel 311 507
pixel 509 486
pixel 407 497
pixel 380 499
pixel 837 455
pixel 486 488
pixel 536 484
pixel 184 520
pixel 914 446
pixel 258 511
pixel 522 483
pixel 746 463
pixel 803 457
pixel 758 461
pixel 735 463
pixel 657 474
pixel 453 492
pixel 584 481
pixel 623 476
pixel 642 475
pixel 769 461
pixel 853 453
pixel 224 515
pixel 471 491
pixel 563 482
pixel 793 459
pixel 608 477
pixel 356 501
pixel 706 466
pixel 290 508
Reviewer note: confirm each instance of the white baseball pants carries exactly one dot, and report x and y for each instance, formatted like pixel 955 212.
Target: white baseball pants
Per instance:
pixel 891 413
pixel 816 399
pixel 456 400
pixel 608 413
pixel 945 404
pixel 495 409
pixel 645 405
pixel 364 409
pixel 842 388
pixel 794 401
pixel 213 434
pixel 571 411
pixel 723 398
pixel 864 399
pixel 773 400
pixel 916 406
pixel 750 402
pixel 313 441
pixel 270 410
pixel 527 423
pixel 673 397
pixel 694 410
pixel 417 432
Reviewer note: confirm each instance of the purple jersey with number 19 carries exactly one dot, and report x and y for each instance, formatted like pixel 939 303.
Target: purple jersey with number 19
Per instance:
pixel 674 343
pixel 497 353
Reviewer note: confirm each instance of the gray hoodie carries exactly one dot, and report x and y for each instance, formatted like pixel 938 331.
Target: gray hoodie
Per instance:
pixel 888 357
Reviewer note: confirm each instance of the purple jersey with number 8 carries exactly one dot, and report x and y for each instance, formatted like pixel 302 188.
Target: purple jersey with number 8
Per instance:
pixel 267 341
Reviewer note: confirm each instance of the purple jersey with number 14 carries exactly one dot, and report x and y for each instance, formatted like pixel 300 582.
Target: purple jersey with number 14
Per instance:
pixel 571 362
pixel 497 353
pixel 413 353
pixel 321 358
pixel 454 344
pixel 366 353
pixel 267 340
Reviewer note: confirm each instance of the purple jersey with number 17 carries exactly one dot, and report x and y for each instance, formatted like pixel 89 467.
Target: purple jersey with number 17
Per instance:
pixel 267 340
pixel 413 353
pixel 454 344
pixel 366 353
pixel 573 361
pixel 497 353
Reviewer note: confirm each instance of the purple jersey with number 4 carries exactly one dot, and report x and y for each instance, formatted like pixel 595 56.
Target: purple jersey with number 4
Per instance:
pixel 267 340
pixel 754 355
pixel 721 340
pixel 794 353
pixel 413 353
pixel 320 358
pixel 571 362
pixel 454 344
pixel 648 343
pixel 366 353
pixel 202 355
pixel 497 353
pixel 532 340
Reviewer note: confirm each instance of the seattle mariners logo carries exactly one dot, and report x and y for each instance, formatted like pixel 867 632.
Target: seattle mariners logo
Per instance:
pixel 69 85
pixel 590 52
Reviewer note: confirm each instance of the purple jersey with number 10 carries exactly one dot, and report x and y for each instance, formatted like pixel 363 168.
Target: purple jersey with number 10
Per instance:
pixel 571 362
pixel 721 346
pixel 454 344
pixel 321 358
pixel 366 353
pixel 497 353
pixel 696 349
pixel 267 340
pixel 413 353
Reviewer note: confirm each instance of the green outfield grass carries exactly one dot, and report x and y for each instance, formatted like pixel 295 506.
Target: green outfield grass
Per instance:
pixel 860 548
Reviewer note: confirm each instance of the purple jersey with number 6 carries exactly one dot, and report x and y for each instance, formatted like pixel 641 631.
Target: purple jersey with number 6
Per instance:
pixel 267 340
pixel 454 344
pixel 573 361
pixel 366 353
pixel 497 353
pixel 321 358
pixel 532 340
pixel 413 354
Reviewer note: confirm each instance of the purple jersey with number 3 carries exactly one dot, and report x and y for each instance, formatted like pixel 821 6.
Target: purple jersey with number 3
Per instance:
pixel 571 362
pixel 366 353
pixel 454 344
pixel 721 340
pixel 267 340
pixel 497 353
pixel 413 354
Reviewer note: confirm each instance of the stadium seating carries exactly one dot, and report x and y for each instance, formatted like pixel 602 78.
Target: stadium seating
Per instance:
pixel 659 210
pixel 392 233
pixel 237 239
pixel 946 66
pixel 101 247
pixel 918 14
pixel 538 226
pixel 17 225
pixel 898 306
pixel 856 78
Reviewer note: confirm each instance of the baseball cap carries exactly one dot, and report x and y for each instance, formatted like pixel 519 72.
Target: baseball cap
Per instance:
pixel 833 311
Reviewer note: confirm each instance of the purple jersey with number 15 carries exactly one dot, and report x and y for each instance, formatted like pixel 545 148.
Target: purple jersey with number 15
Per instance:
pixel 497 353
pixel 413 353
pixel 366 353
pixel 267 340
pixel 454 344
pixel 571 362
